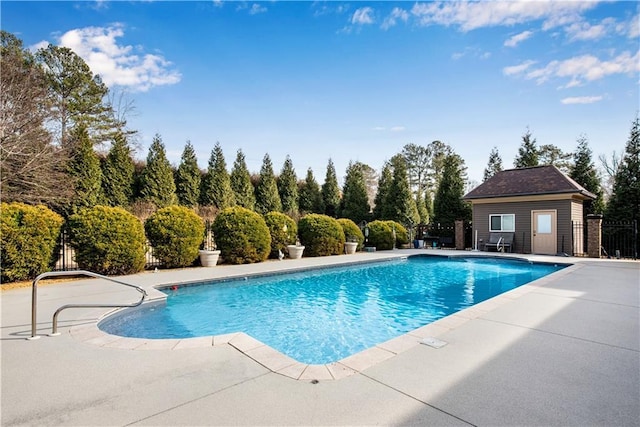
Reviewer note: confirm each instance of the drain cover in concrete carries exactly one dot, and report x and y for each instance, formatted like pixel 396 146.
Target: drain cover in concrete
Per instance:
pixel 433 342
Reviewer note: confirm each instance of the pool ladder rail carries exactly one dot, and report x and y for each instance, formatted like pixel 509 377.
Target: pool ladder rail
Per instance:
pixel 54 331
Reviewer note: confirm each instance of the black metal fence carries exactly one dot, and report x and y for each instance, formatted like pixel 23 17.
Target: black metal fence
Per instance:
pixel 579 231
pixel 620 239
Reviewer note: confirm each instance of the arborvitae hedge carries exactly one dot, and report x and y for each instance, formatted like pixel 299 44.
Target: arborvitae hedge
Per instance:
pixel 242 236
pixel 28 239
pixel 381 235
pixel 108 240
pixel 352 232
pixel 281 236
pixel 175 233
pixel 321 235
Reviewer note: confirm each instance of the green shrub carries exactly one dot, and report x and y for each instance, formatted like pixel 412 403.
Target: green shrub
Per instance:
pixel 321 235
pixel 281 236
pixel 242 236
pixel 380 235
pixel 352 232
pixel 402 235
pixel 175 233
pixel 108 240
pixel 28 240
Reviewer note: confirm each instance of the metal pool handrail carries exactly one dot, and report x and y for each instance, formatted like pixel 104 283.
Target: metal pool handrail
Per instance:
pixel 54 332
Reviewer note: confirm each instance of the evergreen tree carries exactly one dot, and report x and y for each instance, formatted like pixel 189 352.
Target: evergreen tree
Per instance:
pixel 309 195
pixel 331 191
pixel 381 210
pixel 527 153
pixel 439 152
pixel 494 166
pixel 401 206
pixel 241 185
pixel 117 173
pixel 624 204
pixel 585 173
pixel 85 170
pixel 188 178
pixel 423 212
pixel 355 202
pixel 267 197
pixel 157 185
pixel 216 185
pixel 550 154
pixel 448 204
pixel 288 188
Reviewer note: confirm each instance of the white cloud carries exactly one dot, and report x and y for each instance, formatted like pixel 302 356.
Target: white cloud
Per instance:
pixel 256 8
pixel 116 64
pixel 581 100
pixel 395 15
pixel 397 129
pixel 513 41
pixel 583 30
pixel 517 69
pixel 218 3
pixel 379 128
pixel 362 16
pixel 471 51
pixel 40 45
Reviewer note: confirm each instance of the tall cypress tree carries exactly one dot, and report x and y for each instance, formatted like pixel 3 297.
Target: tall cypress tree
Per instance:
pixel 157 185
pixel 381 210
pixel 188 177
pixel 84 168
pixel 309 195
pixel 331 191
pixel 216 185
pixel 117 173
pixel 241 186
pixel 267 197
pixel 494 165
pixel 400 206
pixel 288 188
pixel 355 202
pixel 585 173
pixel 624 204
pixel 448 204
pixel 527 153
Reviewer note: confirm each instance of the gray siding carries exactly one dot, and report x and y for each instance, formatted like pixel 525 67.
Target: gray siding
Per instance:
pixel 522 211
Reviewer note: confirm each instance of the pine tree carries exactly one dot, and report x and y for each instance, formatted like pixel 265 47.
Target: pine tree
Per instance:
pixel 494 165
pixel 401 207
pixel 241 186
pixel 527 153
pixel 331 191
pixel 84 168
pixel 355 202
pixel 624 204
pixel 423 212
pixel 157 185
pixel 381 210
pixel 216 185
pixel 309 195
pixel 288 188
pixel 585 173
pixel 117 173
pixel 448 204
pixel 267 197
pixel 188 178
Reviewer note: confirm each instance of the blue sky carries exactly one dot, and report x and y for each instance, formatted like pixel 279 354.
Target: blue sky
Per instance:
pixel 356 80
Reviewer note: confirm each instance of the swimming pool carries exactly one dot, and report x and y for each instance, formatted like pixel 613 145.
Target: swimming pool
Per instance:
pixel 323 315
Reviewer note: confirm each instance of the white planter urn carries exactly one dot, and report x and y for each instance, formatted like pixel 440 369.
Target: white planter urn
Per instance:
pixel 350 247
pixel 295 252
pixel 209 258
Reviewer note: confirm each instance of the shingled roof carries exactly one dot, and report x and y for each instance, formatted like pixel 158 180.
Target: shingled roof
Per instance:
pixel 531 181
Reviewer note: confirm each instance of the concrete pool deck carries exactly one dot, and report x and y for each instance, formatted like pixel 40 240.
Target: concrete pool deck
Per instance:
pixel 564 350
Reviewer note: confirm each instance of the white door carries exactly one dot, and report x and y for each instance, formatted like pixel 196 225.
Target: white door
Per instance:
pixel 543 224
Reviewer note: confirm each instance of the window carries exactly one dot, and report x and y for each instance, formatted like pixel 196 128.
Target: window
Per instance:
pixel 502 222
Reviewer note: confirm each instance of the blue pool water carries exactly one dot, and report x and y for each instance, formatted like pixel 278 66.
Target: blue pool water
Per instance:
pixel 321 316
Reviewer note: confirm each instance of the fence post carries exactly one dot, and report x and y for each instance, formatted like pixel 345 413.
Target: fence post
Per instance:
pixel 594 235
pixel 459 230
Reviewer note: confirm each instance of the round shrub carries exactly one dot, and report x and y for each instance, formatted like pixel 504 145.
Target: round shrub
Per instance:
pixel 352 232
pixel 175 233
pixel 380 235
pixel 402 235
pixel 321 235
pixel 280 237
pixel 28 240
pixel 242 236
pixel 108 240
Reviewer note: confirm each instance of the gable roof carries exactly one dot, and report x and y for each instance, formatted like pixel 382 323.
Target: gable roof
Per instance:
pixel 531 181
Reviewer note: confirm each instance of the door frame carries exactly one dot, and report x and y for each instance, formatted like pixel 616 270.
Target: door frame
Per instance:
pixel 554 228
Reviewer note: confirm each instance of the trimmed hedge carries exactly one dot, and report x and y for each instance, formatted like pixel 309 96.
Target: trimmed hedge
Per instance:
pixel 108 240
pixel 242 236
pixel 352 232
pixel 28 240
pixel 175 233
pixel 402 235
pixel 321 235
pixel 381 235
pixel 279 237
